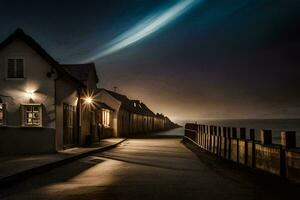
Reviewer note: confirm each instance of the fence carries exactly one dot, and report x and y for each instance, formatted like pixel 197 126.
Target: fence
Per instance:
pixel 232 144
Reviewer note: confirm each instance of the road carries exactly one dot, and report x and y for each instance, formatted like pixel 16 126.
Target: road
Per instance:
pixel 150 168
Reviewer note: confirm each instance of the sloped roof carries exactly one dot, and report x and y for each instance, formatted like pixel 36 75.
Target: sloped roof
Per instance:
pixel 19 34
pixel 125 102
pixel 160 115
pixel 137 106
pixel 148 111
pixel 128 104
pixel 141 108
pixel 81 71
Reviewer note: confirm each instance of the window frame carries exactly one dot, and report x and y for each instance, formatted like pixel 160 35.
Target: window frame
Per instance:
pixel 3 122
pixel 24 117
pixel 6 67
pixel 105 117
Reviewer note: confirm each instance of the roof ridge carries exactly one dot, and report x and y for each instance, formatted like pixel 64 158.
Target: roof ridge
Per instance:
pixel 21 35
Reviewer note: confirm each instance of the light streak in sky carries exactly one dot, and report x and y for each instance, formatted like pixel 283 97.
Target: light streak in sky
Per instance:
pixel 149 25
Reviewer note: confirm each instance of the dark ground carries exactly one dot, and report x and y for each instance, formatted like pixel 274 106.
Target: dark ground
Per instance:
pixel 152 168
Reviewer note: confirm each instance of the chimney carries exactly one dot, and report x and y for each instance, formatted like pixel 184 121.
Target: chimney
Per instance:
pixel 115 88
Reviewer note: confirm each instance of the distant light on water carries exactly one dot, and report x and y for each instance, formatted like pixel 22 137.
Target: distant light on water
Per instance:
pixel 149 25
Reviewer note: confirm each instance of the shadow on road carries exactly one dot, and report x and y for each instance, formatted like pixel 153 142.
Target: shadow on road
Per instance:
pixel 145 163
pixel 57 175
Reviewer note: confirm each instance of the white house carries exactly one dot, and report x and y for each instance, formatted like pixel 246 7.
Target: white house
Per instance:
pixel 41 102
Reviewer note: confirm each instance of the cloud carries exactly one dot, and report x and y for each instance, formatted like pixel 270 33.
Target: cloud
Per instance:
pixel 146 27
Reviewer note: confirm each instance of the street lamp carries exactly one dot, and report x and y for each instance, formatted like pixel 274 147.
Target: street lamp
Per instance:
pixel 88 100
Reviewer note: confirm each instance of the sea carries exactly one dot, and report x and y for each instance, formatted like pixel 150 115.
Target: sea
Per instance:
pixel 276 125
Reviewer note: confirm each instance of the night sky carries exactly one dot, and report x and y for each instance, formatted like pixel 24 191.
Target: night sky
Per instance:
pixel 219 59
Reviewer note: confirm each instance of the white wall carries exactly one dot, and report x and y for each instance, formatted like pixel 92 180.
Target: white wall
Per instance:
pixel 27 139
pixel 35 81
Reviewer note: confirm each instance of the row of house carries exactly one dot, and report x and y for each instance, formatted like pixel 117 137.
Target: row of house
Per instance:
pixel 46 106
pixel 129 117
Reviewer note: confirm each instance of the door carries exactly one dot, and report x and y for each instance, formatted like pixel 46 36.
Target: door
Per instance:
pixel 69 135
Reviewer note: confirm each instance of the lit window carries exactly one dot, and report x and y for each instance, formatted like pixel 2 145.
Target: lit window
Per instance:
pixel 15 68
pixel 105 118
pixel 2 114
pixel 32 115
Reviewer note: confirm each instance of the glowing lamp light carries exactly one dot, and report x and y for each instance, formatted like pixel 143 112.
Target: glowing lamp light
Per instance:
pixel 30 94
pixel 89 100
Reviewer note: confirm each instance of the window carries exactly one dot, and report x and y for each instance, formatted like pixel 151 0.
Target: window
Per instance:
pixel 32 115
pixel 105 117
pixel 2 114
pixel 15 68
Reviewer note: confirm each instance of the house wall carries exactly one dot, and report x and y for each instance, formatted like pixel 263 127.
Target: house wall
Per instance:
pixel 134 123
pixel 105 132
pixel 128 123
pixel 85 123
pixel 91 83
pixel 137 123
pixel 158 123
pixel 123 123
pixel 106 98
pixel 66 92
pixel 36 81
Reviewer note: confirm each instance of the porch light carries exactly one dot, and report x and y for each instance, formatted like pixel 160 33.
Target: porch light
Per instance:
pixel 88 100
pixel 30 94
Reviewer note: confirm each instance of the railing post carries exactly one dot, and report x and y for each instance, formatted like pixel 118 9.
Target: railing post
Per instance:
pixel 266 137
pixel 243 133
pixel 195 128
pixel 252 139
pixel 198 134
pixel 234 133
pixel 224 143
pixel 202 136
pixel 214 139
pixel 205 136
pixel 185 131
pixel 211 132
pixel 243 153
pixel 229 143
pixel 252 134
pixel 219 141
pixel 288 139
pixel 236 152
pixel 210 138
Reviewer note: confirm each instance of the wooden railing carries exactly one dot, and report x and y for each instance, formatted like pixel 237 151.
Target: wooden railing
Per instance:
pixel 232 144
